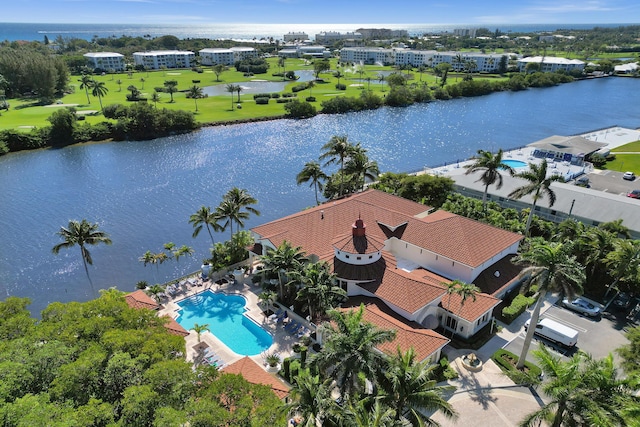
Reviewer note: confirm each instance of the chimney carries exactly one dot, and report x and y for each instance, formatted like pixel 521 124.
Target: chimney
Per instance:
pixel 321 214
pixel 359 228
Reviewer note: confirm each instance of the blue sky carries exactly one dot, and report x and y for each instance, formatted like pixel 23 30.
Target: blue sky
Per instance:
pixel 474 12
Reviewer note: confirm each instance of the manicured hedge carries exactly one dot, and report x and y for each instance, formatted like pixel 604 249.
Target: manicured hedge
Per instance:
pixel 507 362
pixel 262 100
pixel 517 307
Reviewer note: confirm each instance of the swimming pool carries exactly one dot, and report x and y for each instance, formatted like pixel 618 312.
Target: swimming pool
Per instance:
pixel 225 316
pixel 514 163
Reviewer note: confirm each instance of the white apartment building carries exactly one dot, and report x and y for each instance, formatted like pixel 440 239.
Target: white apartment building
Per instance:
pixel 214 56
pixel 330 37
pixel 106 60
pixel 415 58
pixel 157 59
pixel 295 36
pixel 551 63
pixel 300 51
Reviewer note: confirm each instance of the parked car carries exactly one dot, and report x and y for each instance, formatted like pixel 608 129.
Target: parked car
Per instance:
pixel 622 301
pixel 583 181
pixel 629 176
pixel 582 306
pixel 634 194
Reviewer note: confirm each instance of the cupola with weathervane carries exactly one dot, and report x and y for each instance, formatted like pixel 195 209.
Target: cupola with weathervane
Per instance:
pixel 358 248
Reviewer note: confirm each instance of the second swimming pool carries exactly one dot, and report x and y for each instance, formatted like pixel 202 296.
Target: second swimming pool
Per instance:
pixel 225 316
pixel 514 163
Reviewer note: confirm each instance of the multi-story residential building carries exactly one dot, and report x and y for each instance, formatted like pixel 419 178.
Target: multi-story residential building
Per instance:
pixel 213 56
pixel 551 63
pixel 465 32
pixel 415 58
pixel 299 51
pixel 330 37
pixel 382 33
pixel 157 59
pixel 106 60
pixel 295 37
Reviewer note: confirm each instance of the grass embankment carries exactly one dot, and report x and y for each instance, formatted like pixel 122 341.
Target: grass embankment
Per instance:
pixel 25 114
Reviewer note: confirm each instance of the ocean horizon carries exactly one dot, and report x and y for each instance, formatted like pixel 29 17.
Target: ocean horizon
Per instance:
pixel 247 31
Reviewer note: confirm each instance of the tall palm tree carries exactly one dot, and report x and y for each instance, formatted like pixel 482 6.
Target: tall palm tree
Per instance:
pixel 581 391
pixel 205 218
pixel 336 151
pixel 350 350
pixel 238 90
pixel 81 233
pixel 551 267
pixel 86 83
pixel 360 166
pixel 155 97
pixel 119 83
pixel 539 185
pixel 338 75
pixel 99 89
pixel 466 291
pixel 600 243
pixel 409 388
pixel 284 259
pixel 381 79
pixel 319 292
pixel 231 88
pixel 313 173
pixel 490 165
pixel 195 92
pixel 458 60
pixel 171 86
pixel 231 208
pixel 199 329
pixel 368 412
pixel 617 228
pixel 311 398
pixel 623 262
pixel 183 250
pixel 154 291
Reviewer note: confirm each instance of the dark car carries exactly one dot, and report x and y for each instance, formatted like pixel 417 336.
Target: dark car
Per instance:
pixel 622 301
pixel 634 194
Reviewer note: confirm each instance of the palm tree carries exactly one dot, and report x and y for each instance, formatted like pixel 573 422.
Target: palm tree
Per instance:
pixel 155 291
pixel 147 258
pixel 155 98
pixel 350 352
pixel 231 208
pixel 239 89
pixel 581 391
pixel 99 89
pixel 171 86
pixel 408 387
pixel 368 412
pixel 319 291
pixel 466 291
pixel 182 251
pixel 491 165
pixel 195 92
pixel 599 243
pixel 86 83
pixel 311 398
pixel 623 262
pixel 458 60
pixel 267 298
pixel 616 228
pixel 381 79
pixel 360 166
pixel 337 150
pixel 81 233
pixel 231 88
pixel 310 86
pixel 338 75
pixel 205 218
pixel 539 185
pixel 200 329
pixel 314 174
pixel 551 267
pixel 284 259
pixel 119 83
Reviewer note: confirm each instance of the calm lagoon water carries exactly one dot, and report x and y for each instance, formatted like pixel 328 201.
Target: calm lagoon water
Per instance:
pixel 142 193
pixel 225 316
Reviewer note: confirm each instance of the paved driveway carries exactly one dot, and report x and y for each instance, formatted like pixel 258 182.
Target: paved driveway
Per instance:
pixel 598 337
pixel 612 182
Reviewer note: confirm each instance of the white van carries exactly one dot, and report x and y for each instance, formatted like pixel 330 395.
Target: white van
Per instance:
pixel 556 332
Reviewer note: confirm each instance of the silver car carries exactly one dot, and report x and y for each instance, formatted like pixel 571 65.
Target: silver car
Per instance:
pixel 581 306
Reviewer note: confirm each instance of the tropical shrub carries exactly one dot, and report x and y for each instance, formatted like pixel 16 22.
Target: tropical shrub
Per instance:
pixel 262 100
pixel 341 86
pixel 517 307
pixel 299 109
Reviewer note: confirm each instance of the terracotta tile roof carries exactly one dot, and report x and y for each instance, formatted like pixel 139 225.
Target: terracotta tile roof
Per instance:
pixel 174 327
pixel 315 231
pixel 408 334
pixel 254 373
pixel 458 238
pixel 408 291
pixel 359 244
pixel 471 310
pixel 139 299
pixel 492 284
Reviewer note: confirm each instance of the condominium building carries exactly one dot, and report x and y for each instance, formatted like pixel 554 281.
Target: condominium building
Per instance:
pixel 213 56
pixel 330 37
pixel 367 55
pixel 551 63
pixel 382 33
pixel 106 60
pixel 157 59
pixel 299 51
pixel 295 36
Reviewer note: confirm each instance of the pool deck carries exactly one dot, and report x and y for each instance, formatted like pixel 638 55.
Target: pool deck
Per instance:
pixel 282 341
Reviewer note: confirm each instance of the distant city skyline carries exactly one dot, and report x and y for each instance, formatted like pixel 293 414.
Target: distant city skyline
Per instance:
pixel 199 12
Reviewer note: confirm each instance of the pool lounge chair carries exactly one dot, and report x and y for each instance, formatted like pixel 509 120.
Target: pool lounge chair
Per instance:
pixel 302 331
pixel 277 314
pixel 292 327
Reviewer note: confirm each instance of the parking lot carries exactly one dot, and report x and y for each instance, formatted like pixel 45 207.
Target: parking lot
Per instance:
pixel 597 336
pixel 612 182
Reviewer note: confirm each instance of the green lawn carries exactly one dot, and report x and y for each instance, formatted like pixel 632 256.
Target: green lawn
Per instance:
pixel 24 115
pixel 632 147
pixel 625 162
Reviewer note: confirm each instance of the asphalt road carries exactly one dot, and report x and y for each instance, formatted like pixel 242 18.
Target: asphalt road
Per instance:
pixel 597 336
